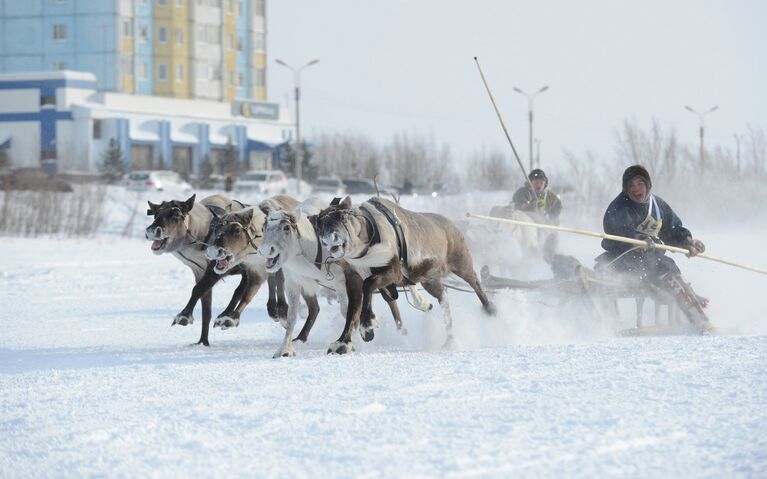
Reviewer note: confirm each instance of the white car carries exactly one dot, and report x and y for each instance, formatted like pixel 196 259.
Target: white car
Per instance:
pixel 156 180
pixel 329 184
pixel 265 182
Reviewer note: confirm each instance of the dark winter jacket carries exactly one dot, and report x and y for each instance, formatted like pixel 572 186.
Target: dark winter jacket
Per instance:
pixel 624 215
pixel 524 200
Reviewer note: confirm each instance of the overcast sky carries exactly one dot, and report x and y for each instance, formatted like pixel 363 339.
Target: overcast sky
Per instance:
pixel 407 65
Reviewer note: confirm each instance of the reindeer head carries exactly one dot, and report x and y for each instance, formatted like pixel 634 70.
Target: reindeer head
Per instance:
pixel 281 238
pixel 171 222
pixel 338 227
pixel 235 236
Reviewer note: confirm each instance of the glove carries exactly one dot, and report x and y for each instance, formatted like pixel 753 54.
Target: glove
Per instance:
pixel 650 242
pixel 695 247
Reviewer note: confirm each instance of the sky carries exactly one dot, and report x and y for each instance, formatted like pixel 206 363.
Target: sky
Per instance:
pixel 388 67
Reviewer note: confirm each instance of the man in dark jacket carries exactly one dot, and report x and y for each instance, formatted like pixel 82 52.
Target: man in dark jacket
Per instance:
pixel 637 213
pixel 542 200
pixel 538 205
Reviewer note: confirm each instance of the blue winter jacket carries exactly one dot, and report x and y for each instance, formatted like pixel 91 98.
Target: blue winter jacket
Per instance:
pixel 624 215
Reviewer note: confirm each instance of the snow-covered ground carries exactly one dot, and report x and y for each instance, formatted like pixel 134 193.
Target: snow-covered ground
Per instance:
pixel 95 382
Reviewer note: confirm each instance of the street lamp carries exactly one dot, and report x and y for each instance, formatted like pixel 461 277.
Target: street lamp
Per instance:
pixel 538 152
pixel 297 81
pixel 530 116
pixel 737 154
pixel 701 116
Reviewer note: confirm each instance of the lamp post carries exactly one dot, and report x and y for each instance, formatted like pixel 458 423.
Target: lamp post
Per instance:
pixel 737 151
pixel 701 117
pixel 530 116
pixel 538 152
pixel 297 82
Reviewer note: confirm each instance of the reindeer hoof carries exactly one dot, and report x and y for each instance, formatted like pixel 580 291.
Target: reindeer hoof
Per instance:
pixel 226 322
pixel 367 334
pixel 284 354
pixel 182 320
pixel 341 348
pixel 490 309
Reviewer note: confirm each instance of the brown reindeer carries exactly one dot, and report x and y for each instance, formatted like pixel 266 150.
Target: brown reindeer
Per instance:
pixel 397 246
pixel 235 239
pixel 181 228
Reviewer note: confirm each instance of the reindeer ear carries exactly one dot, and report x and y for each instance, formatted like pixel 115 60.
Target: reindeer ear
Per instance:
pixel 295 215
pixel 244 217
pixel 152 211
pixel 346 204
pixel 188 204
pixel 266 207
pixel 216 211
pixel 313 221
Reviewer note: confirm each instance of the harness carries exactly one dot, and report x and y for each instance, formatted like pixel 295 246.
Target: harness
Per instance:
pixel 397 225
pixel 651 225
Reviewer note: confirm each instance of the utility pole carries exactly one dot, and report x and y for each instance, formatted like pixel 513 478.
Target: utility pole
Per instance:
pixel 737 151
pixel 701 117
pixel 538 152
pixel 299 153
pixel 530 117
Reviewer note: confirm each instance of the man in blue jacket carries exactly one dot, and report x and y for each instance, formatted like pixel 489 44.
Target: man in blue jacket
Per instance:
pixel 637 213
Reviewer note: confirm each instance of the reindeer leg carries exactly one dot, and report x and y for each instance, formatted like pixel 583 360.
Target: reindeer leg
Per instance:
pixel 233 320
pixel 203 285
pixel 470 277
pixel 353 283
pixel 394 309
pixel 207 300
pixel 236 297
pixel 276 306
pixel 437 289
pixel 286 348
pixel 314 309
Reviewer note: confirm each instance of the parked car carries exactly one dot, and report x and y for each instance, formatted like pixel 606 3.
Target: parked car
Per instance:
pixel 363 186
pixel 265 182
pixel 330 185
pixel 32 179
pixel 156 180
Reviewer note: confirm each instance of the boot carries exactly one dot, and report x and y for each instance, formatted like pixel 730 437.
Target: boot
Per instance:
pixel 688 301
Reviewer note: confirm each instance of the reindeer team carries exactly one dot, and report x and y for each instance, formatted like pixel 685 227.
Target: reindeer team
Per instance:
pixel 353 250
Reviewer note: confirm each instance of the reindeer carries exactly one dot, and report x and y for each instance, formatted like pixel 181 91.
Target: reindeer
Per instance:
pixel 182 228
pixel 291 244
pixel 396 246
pixel 236 237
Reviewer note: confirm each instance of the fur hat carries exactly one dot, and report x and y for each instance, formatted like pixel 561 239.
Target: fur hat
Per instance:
pixel 538 174
pixel 634 171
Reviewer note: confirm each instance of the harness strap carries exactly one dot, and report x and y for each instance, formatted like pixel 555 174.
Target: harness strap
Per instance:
pixel 397 225
pixel 318 258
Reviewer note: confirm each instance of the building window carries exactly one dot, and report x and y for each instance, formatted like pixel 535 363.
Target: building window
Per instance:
pixel 96 128
pixel 260 8
pixel 240 80
pixel 229 6
pixel 48 100
pixel 229 41
pixel 239 43
pixel 162 35
pixel 179 36
pixel 59 32
pixel 127 28
pixel 143 71
pixel 162 72
pixel 258 41
pixel 162 2
pixel 260 77
pixel 239 8
pixel 179 3
pixel 179 73
pixel 143 33
pixel 59 66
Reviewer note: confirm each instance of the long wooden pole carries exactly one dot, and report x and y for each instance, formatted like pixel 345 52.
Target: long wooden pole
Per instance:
pixel 505 131
pixel 622 239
